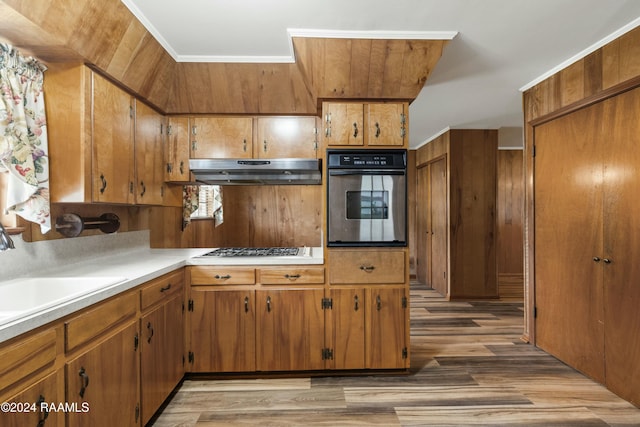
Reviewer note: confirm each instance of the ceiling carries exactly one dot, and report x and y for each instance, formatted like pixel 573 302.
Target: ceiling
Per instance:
pixel 499 47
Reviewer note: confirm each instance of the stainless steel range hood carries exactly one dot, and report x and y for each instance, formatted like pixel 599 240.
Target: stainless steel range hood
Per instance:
pixel 256 171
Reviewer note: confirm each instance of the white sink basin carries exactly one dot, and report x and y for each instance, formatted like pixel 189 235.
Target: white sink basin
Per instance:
pixel 22 297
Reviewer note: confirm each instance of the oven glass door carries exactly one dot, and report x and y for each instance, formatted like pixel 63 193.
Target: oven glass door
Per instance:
pixel 367 208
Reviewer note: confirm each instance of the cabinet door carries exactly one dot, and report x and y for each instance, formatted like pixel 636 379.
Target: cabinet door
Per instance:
pixel 113 150
pixel 176 151
pixel 223 330
pixel 285 137
pixel 386 344
pixel 153 362
pixel 221 137
pixel 343 123
pixel 386 124
pixel 106 379
pixel 161 354
pixel 290 329
pixel 41 395
pixel 347 325
pixel 149 156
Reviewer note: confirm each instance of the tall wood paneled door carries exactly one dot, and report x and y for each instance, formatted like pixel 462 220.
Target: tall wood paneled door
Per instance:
pixel 586 241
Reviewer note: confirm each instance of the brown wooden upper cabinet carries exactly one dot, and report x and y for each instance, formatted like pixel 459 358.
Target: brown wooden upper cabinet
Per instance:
pixel 282 137
pixel 251 137
pixel 221 137
pixel 149 140
pixel 92 129
pixel 176 151
pixel 365 124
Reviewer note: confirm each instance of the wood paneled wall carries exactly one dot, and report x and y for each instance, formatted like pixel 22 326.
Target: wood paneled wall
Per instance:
pixel 606 72
pixel 470 222
pixel 272 215
pixel 510 220
pixel 102 33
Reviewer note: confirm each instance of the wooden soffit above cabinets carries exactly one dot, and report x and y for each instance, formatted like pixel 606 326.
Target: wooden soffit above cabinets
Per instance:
pixel 108 37
pixel 339 68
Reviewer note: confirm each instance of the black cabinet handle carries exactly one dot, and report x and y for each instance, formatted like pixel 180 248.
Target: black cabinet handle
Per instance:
pixel 144 188
pixel 104 183
pixel 367 268
pixel 226 276
pixel 246 304
pixel 378 303
pixel 166 288
pixel 606 261
pixel 356 303
pixel 596 259
pixel 292 276
pixel 269 304
pixel 150 329
pixel 85 381
pixel 45 414
pixel 355 130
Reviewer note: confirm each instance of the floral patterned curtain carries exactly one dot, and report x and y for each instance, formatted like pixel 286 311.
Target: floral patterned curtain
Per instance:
pixel 23 136
pixel 191 197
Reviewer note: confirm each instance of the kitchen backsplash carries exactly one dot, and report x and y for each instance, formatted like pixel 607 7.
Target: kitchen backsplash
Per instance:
pixel 30 258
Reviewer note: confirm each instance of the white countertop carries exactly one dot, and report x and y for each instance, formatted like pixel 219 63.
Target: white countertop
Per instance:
pixel 128 270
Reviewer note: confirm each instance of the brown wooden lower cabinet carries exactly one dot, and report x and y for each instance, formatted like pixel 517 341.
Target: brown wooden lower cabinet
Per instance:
pixel 112 364
pixel 103 380
pixel 40 397
pixel 235 326
pixel 161 368
pixel 347 327
pixel 249 330
pixel 368 328
pixel 290 329
pixel 222 333
pixel 386 345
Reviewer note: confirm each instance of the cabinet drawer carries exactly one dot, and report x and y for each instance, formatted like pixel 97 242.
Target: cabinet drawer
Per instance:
pixel 85 327
pixel 296 275
pixel 161 289
pixel 223 276
pixel 367 266
pixel 27 356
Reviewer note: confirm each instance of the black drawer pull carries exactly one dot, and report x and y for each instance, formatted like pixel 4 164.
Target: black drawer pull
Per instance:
pixel 291 276
pixel 367 268
pixel 166 288
pixel 226 276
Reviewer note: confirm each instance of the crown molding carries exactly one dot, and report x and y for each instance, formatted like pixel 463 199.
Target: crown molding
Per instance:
pixel 597 45
pixel 291 33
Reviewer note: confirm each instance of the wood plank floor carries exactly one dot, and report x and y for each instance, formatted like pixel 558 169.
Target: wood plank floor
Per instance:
pixel 469 367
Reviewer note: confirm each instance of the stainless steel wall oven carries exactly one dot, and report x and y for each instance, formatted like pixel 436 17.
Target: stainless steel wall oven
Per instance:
pixel 366 197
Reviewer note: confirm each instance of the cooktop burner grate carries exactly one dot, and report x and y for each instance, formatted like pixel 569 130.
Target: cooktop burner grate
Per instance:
pixel 227 252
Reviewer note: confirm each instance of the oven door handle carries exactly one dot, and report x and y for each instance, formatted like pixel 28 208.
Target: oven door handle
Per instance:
pixel 343 172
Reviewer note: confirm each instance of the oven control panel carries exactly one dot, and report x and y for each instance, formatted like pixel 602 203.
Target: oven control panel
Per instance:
pixel 367 159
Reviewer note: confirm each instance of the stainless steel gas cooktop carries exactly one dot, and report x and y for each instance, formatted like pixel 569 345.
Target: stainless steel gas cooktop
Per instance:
pixel 234 252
